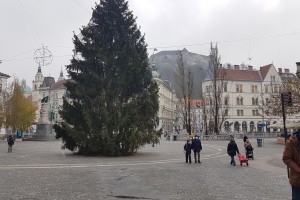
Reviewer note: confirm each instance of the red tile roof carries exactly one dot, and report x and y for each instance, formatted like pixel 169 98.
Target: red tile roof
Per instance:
pixel 195 103
pixel 242 75
pixel 59 85
pixel 264 70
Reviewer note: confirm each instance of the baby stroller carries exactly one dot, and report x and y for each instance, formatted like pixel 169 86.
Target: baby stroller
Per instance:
pixel 249 152
pixel 243 159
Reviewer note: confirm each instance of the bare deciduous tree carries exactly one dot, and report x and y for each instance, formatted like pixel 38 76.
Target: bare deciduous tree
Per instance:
pixel 184 80
pixel 216 104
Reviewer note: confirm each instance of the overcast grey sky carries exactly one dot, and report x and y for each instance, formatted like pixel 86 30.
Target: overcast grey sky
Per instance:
pixel 265 30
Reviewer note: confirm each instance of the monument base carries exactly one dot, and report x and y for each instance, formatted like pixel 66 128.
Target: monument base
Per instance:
pixel 44 132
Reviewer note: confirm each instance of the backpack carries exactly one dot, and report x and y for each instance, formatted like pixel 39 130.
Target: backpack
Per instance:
pixel 11 141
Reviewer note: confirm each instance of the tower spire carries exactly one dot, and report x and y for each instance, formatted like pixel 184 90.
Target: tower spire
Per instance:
pixel 61 75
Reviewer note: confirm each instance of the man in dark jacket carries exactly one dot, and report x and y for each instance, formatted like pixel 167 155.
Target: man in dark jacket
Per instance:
pixel 10 142
pixel 232 149
pixel 197 147
pixel 291 157
pixel 188 150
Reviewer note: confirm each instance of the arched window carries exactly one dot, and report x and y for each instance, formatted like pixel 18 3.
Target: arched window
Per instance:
pixel 244 126
pixel 237 126
pixel 226 126
pixel 251 126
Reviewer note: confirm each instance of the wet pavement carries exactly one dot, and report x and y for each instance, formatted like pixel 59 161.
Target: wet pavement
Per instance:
pixel 41 170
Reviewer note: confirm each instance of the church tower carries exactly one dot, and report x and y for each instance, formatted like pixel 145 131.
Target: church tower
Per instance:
pixel 39 78
pixel 61 75
pixel 36 84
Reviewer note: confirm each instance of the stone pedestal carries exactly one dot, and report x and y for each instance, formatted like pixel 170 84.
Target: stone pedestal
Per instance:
pixel 44 132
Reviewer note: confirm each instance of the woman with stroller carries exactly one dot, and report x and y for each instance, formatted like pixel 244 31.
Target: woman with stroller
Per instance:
pixel 232 149
pixel 248 149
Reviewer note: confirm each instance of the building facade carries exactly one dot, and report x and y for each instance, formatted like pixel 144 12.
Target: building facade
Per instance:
pixel 248 95
pixel 169 118
pixel 48 95
pixel 3 87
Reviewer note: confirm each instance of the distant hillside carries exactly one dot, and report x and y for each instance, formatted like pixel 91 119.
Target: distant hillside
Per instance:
pixel 166 63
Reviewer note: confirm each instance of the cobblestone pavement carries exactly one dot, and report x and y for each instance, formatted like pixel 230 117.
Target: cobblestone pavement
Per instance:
pixel 41 170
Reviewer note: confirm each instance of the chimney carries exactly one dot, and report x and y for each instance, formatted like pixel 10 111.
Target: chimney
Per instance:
pixel 236 67
pixel 280 70
pixel 250 68
pixel 298 69
pixel 286 70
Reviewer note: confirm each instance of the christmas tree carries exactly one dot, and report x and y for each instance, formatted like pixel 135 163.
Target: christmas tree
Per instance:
pixel 111 102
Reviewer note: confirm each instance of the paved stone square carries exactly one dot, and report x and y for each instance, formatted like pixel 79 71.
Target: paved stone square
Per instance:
pixel 41 170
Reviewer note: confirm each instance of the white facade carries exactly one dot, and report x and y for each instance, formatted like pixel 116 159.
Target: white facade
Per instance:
pixel 250 94
pixel 3 87
pixel 168 102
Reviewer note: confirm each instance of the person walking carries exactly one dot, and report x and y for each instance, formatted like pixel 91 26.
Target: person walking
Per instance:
pixel 245 138
pixel 197 147
pixel 188 150
pixel 10 142
pixel 232 149
pixel 248 146
pixel 291 157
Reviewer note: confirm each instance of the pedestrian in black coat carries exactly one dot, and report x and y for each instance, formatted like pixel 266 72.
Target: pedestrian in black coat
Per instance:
pixel 188 150
pixel 197 147
pixel 232 149
pixel 10 142
pixel 245 138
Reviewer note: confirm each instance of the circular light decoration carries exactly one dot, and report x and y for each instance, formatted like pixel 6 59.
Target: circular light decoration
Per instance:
pixel 43 56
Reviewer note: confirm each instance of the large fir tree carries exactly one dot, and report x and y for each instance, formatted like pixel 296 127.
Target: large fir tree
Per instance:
pixel 112 100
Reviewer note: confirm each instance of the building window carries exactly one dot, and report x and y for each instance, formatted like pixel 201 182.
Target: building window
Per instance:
pixel 255 112
pixel 275 89
pixel 240 113
pixel 272 78
pixel 266 89
pixel 225 87
pixel 254 88
pixel 226 100
pixel 267 101
pixel 239 101
pixel 239 88
pixel 255 101
pixel 226 112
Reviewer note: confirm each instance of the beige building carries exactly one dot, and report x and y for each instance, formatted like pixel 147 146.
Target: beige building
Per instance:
pixel 3 86
pixel 248 93
pixel 169 119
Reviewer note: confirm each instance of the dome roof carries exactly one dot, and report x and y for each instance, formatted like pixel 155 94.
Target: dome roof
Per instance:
pixel 154 74
pixel 28 89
